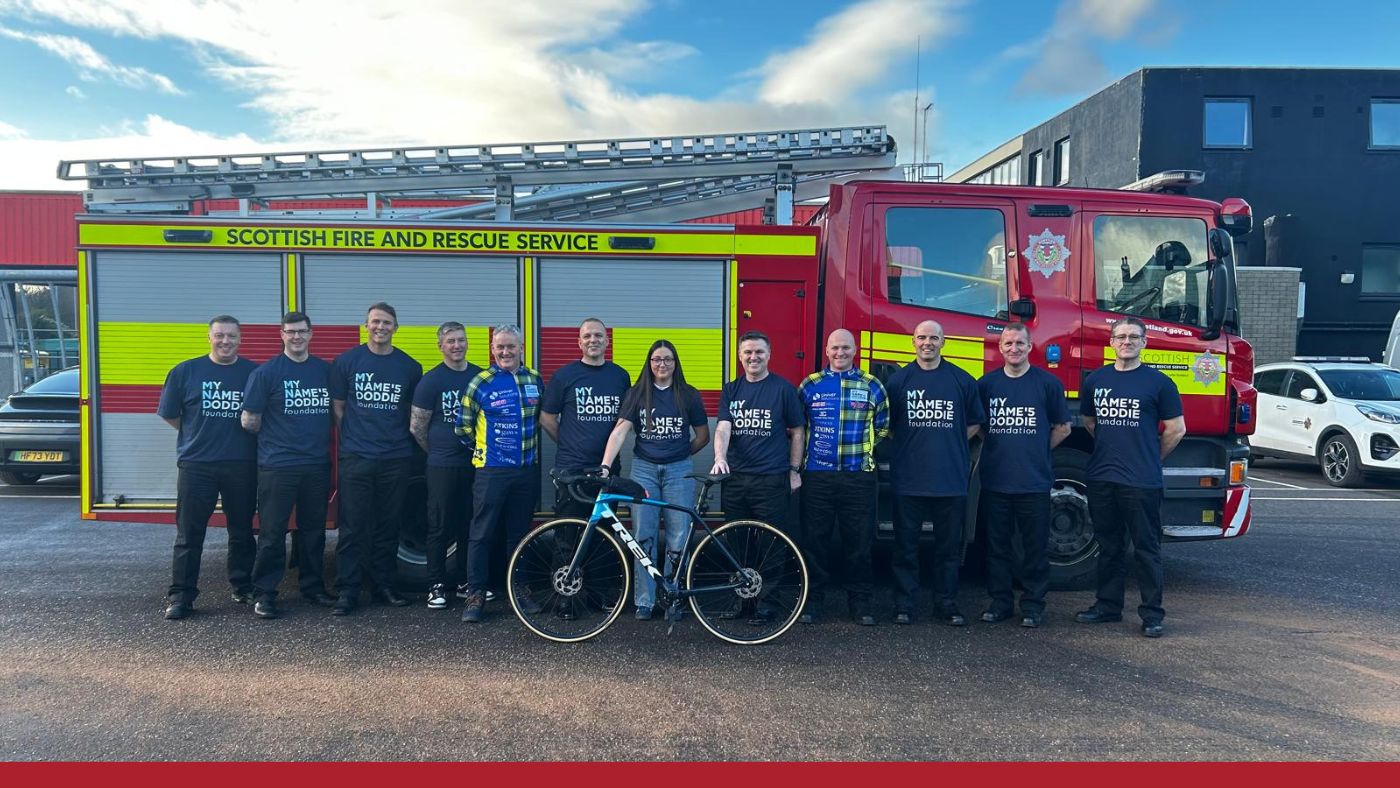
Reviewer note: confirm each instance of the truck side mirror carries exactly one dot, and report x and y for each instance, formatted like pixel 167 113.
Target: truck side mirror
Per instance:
pixel 1218 298
pixel 1022 308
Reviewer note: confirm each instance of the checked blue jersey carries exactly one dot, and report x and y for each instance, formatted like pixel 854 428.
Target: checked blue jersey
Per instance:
pixel 500 414
pixel 847 414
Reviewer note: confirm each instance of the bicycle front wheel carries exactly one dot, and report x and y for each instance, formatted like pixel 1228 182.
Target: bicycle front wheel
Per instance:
pixel 559 604
pixel 756 578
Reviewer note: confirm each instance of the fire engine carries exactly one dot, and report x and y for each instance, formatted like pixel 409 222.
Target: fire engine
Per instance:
pixel 877 258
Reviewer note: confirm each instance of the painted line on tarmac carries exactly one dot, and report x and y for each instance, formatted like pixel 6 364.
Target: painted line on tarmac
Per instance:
pixel 1282 484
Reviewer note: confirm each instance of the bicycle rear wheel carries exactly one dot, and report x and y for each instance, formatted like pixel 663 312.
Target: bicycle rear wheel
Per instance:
pixel 772 580
pixel 559 605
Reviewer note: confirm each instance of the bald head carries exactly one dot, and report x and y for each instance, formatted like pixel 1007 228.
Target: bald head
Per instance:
pixel 928 344
pixel 841 350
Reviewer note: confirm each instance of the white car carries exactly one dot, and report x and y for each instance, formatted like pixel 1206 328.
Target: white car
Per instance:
pixel 1343 414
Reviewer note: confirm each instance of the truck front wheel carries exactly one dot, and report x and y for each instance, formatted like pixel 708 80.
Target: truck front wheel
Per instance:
pixel 1074 552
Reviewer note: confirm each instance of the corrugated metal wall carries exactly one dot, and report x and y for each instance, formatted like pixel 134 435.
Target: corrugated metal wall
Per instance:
pixel 37 228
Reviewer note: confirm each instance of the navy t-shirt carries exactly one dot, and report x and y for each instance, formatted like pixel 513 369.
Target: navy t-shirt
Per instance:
pixel 440 392
pixel 294 400
pixel 663 431
pixel 1020 412
pixel 207 398
pixel 760 414
pixel 378 392
pixel 930 411
pixel 587 399
pixel 1127 408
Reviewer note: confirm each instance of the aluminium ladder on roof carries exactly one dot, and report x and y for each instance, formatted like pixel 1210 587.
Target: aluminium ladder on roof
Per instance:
pixel 383 171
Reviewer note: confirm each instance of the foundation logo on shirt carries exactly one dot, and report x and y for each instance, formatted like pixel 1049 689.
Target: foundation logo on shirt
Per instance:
pixel 217 402
pixel 1206 369
pixel 299 400
pixel 1047 252
pixel 750 421
pixel 595 407
pixel 1007 419
pixel 921 410
pixel 1111 411
pixel 660 428
pixel 450 405
pixel 370 393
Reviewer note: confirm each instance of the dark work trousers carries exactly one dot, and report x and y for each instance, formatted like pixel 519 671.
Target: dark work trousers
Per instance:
pixel 371 495
pixel 198 488
pixel 503 501
pixel 758 496
pixel 1024 517
pixel 1122 513
pixel 838 526
pixel 449 514
pixel 946 514
pixel 305 489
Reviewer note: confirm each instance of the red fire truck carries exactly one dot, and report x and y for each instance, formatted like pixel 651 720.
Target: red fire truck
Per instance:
pixel 877 259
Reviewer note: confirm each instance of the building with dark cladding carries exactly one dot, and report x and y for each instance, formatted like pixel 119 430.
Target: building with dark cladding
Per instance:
pixel 1315 151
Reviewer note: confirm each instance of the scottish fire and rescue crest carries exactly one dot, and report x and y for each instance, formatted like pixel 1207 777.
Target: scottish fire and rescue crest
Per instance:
pixel 1206 369
pixel 1047 252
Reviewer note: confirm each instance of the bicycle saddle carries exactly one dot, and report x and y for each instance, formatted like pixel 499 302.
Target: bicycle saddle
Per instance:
pixel 708 478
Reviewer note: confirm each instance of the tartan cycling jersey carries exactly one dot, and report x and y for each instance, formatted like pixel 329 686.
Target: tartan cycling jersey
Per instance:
pixel 847 414
pixel 500 410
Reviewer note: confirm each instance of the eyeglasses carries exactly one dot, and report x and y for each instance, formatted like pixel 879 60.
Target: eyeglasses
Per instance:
pixel 1128 338
pixel 662 360
pixel 297 332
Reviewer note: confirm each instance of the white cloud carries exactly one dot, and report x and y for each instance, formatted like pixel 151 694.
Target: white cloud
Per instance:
pixel 75 91
pixel 1064 58
pixel 8 132
pixel 90 64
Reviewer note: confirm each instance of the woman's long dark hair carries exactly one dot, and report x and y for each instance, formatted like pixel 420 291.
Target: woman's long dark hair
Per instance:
pixel 640 393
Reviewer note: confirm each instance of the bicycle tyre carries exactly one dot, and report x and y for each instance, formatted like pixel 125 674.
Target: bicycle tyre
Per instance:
pixel 731 614
pixel 568 610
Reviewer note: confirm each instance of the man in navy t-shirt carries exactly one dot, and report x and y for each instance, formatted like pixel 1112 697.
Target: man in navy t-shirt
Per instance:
pixel 201 399
pixel 1123 407
pixel 287 404
pixel 1027 417
pixel 934 410
pixel 580 409
pixel 371 393
pixel 449 472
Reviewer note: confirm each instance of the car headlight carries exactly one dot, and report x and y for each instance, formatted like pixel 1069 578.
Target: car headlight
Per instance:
pixel 1376 414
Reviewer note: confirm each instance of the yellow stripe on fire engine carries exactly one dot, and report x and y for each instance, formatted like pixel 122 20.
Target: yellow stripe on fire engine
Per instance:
pixel 143 353
pixel 701 351
pixel 964 352
pixel 292 283
pixel 1193 373
pixel 420 342
pixel 527 310
pixel 475 240
pixel 84 395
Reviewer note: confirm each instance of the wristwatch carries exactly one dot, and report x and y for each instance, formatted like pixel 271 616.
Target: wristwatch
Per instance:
pixel 795 468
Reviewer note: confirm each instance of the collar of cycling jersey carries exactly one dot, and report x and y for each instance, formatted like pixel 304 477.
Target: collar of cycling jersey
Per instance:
pixel 853 372
pixel 520 370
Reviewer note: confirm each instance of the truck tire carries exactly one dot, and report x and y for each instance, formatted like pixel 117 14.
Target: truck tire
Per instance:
pixel 1074 552
pixel 1339 461
pixel 18 477
pixel 413 538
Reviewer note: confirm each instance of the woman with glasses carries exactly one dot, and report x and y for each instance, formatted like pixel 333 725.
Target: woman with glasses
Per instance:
pixel 671 425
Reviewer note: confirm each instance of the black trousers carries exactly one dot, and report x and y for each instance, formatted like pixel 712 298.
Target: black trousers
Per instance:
pixel 1008 518
pixel 198 488
pixel 838 514
pixel 1122 513
pixel 758 496
pixel 946 515
pixel 305 489
pixel 371 496
pixel 503 500
pixel 449 515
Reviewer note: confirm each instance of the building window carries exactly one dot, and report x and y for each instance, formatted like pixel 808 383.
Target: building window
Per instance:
pixel 1062 162
pixel 1036 177
pixel 1380 270
pixel 1227 123
pixel 1385 123
pixel 1128 280
pixel 947 258
pixel 1006 172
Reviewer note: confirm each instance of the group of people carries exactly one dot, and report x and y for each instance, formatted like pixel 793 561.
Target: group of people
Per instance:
pixel 798 457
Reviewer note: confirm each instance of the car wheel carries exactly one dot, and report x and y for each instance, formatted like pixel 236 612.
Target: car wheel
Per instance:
pixel 1074 552
pixel 1340 462
pixel 18 477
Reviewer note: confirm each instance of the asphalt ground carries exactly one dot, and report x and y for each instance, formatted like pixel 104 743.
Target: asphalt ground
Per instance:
pixel 1282 645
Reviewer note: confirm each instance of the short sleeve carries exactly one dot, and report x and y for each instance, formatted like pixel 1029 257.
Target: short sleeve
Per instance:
pixel 794 414
pixel 695 409
pixel 553 399
pixel 172 394
pixel 723 414
pixel 1056 408
pixel 255 394
pixel 338 383
pixel 972 403
pixel 1168 400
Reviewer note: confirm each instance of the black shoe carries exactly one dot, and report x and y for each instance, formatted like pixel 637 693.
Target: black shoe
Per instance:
pixel 527 602
pixel 475 609
pixel 566 610
pixel 808 618
pixel 953 618
pixel 462 591
pixel 1151 629
pixel 739 609
pixel 266 608
pixel 761 616
pixel 243 597
pixel 993 615
pixel 390 597
pixel 1031 620
pixel 865 620
pixel 177 610
pixel 345 604
pixel 319 597
pixel 1096 616
pixel 903 618
pixel 437 597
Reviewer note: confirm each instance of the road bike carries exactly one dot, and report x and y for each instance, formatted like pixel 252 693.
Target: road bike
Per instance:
pixel 745 580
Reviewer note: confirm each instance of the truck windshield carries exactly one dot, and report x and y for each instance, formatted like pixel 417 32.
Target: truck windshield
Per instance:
pixel 1129 282
pixel 1369 384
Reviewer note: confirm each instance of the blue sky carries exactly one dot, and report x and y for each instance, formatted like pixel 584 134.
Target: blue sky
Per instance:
pixel 145 78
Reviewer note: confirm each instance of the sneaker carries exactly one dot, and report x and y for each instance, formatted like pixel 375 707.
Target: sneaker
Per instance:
pixel 526 602
pixel 903 618
pixel 643 614
pixel 462 591
pixel 490 595
pixel 243 597
pixel 437 597
pixel 1031 620
pixel 952 618
pixel 476 607
pixel 993 615
pixel 266 608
